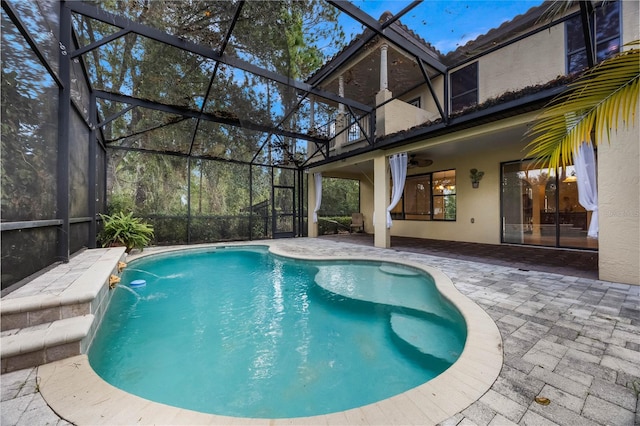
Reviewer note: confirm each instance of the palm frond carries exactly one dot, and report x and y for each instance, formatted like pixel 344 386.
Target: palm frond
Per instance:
pixel 592 105
pixel 556 9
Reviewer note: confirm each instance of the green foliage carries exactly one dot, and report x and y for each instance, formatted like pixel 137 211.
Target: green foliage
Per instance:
pixel 475 175
pixel 340 197
pixel 169 230
pixel 596 103
pixel 29 124
pixel 450 207
pixel 333 224
pixel 228 228
pixel 120 202
pixel 125 229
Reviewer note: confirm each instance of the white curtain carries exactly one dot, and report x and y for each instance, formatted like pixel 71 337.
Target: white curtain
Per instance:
pixel 317 177
pixel 398 165
pixel 585 163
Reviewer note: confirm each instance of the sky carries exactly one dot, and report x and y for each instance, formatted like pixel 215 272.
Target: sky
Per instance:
pixel 445 24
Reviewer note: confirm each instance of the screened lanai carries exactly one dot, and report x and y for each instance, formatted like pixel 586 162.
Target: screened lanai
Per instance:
pixel 205 118
pixel 198 116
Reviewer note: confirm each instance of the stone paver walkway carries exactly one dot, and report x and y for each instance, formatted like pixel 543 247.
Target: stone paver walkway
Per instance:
pixel 21 402
pixel 572 340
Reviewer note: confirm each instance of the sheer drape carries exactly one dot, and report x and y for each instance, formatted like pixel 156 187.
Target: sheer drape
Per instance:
pixel 398 165
pixel 584 161
pixel 317 177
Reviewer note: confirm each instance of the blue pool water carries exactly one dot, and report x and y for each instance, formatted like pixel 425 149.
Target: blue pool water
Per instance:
pixel 241 332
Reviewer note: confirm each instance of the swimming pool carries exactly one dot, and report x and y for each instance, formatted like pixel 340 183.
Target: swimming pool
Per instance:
pixel 182 343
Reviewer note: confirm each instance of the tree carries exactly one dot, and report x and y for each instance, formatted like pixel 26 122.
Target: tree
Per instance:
pixel 591 106
pixel 280 36
pixel 29 124
pixel 340 197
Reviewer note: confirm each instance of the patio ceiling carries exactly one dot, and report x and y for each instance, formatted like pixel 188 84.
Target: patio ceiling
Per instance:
pixel 362 79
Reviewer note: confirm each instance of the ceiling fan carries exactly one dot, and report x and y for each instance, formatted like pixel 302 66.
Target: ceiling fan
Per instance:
pixel 416 160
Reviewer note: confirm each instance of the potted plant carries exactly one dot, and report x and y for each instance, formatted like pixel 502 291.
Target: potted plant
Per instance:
pixel 475 176
pixel 123 229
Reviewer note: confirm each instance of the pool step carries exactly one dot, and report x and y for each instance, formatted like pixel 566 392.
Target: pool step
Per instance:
pixel 57 314
pixel 421 333
pixel 38 310
pixel 385 286
pixel 43 343
pixel 396 270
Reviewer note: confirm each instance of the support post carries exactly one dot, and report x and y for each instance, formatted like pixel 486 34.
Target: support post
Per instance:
pixel 93 171
pixel 64 106
pixel 384 80
pixel 383 95
pixel 189 199
pixel 382 237
pixel 312 228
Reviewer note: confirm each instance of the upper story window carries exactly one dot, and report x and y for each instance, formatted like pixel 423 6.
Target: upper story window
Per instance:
pixel 354 132
pixel 607 37
pixel 464 87
pixel 430 196
pixel 415 102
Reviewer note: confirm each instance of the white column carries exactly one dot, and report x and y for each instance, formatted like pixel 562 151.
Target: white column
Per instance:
pixel 312 228
pixel 382 237
pixel 384 82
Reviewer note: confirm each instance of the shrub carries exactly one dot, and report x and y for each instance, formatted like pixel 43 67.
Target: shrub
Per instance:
pixel 122 229
pixel 333 224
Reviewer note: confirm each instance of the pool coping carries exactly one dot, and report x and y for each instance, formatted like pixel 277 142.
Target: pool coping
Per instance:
pixel 76 393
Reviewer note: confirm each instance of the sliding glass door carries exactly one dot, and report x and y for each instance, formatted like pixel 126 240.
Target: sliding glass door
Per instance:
pixel 540 207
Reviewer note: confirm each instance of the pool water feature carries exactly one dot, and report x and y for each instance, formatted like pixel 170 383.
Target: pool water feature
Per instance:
pixel 241 332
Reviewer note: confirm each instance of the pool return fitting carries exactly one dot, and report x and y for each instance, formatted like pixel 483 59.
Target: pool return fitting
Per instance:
pixel 113 281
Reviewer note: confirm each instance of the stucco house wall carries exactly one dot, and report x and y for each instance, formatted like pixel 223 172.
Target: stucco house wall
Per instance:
pixel 400 116
pixel 619 205
pixel 534 60
pixel 426 99
pixel 630 18
pixel 481 204
pixel 619 186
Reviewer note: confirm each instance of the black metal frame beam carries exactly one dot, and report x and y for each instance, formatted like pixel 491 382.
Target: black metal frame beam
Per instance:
pixel 27 224
pixel 195 157
pixel 427 79
pixel 354 47
pixel 22 28
pixel 586 15
pixel 387 33
pixel 93 170
pixel 64 123
pixel 112 117
pixel 95 12
pixel 108 39
pixel 319 145
pixel 186 112
pixel 365 132
pixel 215 73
